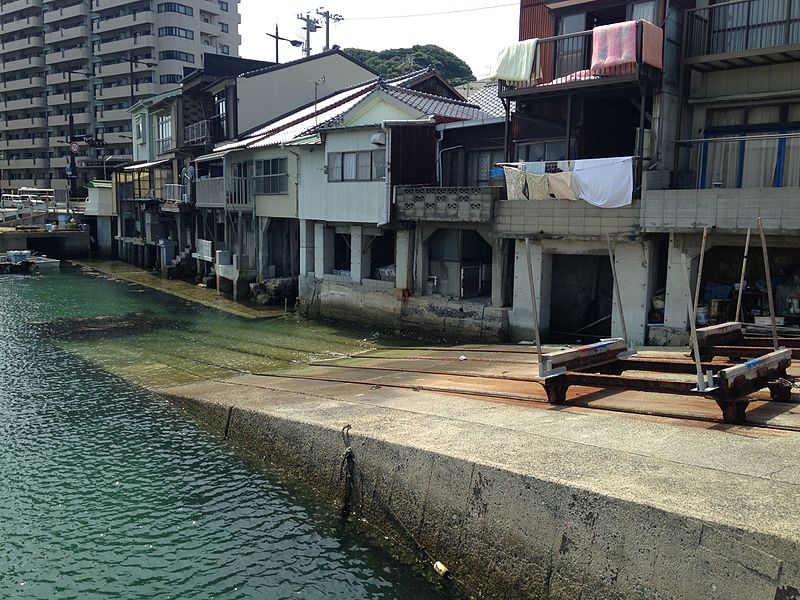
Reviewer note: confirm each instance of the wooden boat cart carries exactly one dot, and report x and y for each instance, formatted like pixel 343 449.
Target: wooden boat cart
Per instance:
pixel 604 364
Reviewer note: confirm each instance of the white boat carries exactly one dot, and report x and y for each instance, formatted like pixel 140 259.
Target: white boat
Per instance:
pixel 40 262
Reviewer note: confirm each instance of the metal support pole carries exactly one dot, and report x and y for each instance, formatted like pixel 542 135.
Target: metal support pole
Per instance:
pixel 73 182
pixel 701 260
pixel 616 290
pixel 506 127
pixel 640 140
pixel 533 302
pixel 701 384
pixel 130 62
pixel 741 279
pixel 277 62
pixel 568 126
pixel 769 283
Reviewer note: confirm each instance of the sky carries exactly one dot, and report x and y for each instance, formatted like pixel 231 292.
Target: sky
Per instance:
pixel 474 30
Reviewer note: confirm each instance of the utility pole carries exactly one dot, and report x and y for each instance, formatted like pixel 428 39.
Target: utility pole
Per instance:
pixel 312 24
pixel 326 14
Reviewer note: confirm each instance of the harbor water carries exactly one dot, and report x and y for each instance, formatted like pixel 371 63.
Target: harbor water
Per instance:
pixel 109 492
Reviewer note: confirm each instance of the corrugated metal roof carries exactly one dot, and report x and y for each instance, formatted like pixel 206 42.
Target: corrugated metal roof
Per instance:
pixel 147 165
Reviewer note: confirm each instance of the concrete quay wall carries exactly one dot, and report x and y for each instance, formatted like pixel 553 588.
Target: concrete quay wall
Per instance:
pixel 385 307
pixel 512 533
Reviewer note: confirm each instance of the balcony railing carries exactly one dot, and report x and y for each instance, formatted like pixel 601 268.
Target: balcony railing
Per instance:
pixel 741 27
pixel 163 145
pixel 631 50
pixel 470 204
pixel 225 192
pixel 756 160
pixel 176 193
pixel 209 131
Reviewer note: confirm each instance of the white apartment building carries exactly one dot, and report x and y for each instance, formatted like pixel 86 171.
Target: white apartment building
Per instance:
pixel 110 54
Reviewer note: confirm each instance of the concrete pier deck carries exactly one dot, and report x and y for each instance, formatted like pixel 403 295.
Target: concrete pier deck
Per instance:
pixel 180 289
pixel 523 499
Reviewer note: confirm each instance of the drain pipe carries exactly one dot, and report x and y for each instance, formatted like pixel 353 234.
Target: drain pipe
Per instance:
pixel 386 128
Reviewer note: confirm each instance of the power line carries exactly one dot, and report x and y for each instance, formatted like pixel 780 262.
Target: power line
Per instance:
pixel 446 12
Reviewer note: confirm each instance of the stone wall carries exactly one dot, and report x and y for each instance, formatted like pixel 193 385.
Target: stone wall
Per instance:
pixel 385 307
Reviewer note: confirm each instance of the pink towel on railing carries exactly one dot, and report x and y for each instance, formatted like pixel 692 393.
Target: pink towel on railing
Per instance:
pixel 613 48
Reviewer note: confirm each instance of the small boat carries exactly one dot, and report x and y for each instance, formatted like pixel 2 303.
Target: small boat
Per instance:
pixel 25 261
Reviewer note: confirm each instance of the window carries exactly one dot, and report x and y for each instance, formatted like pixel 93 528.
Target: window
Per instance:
pixel 223 27
pixel 224 48
pixel 139 129
pixel 176 7
pixel 164 125
pixel 357 166
pixel 175 31
pixel 170 78
pixel 272 176
pixel 223 6
pixel 176 55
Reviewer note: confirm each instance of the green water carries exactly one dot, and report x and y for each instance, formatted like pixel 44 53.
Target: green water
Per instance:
pixel 108 492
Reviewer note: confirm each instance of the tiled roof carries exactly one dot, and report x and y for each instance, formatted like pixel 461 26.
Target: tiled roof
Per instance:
pixel 436 105
pixel 489 101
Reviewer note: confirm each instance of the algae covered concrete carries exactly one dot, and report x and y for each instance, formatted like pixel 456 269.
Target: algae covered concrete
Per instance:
pixel 180 289
pixel 521 500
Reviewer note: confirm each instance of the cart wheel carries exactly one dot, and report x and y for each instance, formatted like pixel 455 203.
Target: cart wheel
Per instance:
pixel 733 412
pixel 780 392
pixel 556 393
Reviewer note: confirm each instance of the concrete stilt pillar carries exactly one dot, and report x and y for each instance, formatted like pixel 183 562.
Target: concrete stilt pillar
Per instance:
pixel 632 263
pixel 323 249
pixel 356 253
pixel 498 271
pixel 402 260
pixel 306 246
pixel 521 317
pixel 676 315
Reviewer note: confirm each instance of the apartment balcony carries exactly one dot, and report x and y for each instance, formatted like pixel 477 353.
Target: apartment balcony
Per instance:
pixel 124 91
pixel 136 43
pixel 209 6
pixel 121 68
pixel 232 193
pixel 124 21
pixel 83 118
pixel 101 6
pixel 737 179
pixel 24 104
pixel 31 62
pixel 26 123
pixel 63 78
pixel 446 204
pixel 77 98
pixel 742 33
pixel 210 29
pixel 12 7
pixel 73 54
pixel 25 163
pixel 30 41
pixel 26 83
pixel 32 22
pixel 613 56
pixel 24 144
pixel 63 35
pixel 209 131
pixel 15 184
pixel 118 138
pixel 116 115
pixel 70 12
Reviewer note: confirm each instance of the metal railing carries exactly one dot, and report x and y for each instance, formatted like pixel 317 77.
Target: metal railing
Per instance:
pixel 205 249
pixel 163 145
pixel 240 192
pixel 741 25
pixel 174 192
pixel 568 58
pixel 210 193
pixel 758 160
pixel 208 131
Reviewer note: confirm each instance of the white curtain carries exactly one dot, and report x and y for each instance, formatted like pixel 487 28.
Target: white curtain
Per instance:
pixel 760 158
pixel 722 159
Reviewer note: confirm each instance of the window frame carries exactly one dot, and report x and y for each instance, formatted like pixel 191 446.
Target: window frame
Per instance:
pixel 338 164
pixel 279 175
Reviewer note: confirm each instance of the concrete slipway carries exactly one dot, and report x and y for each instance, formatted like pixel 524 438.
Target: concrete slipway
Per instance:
pixel 520 499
